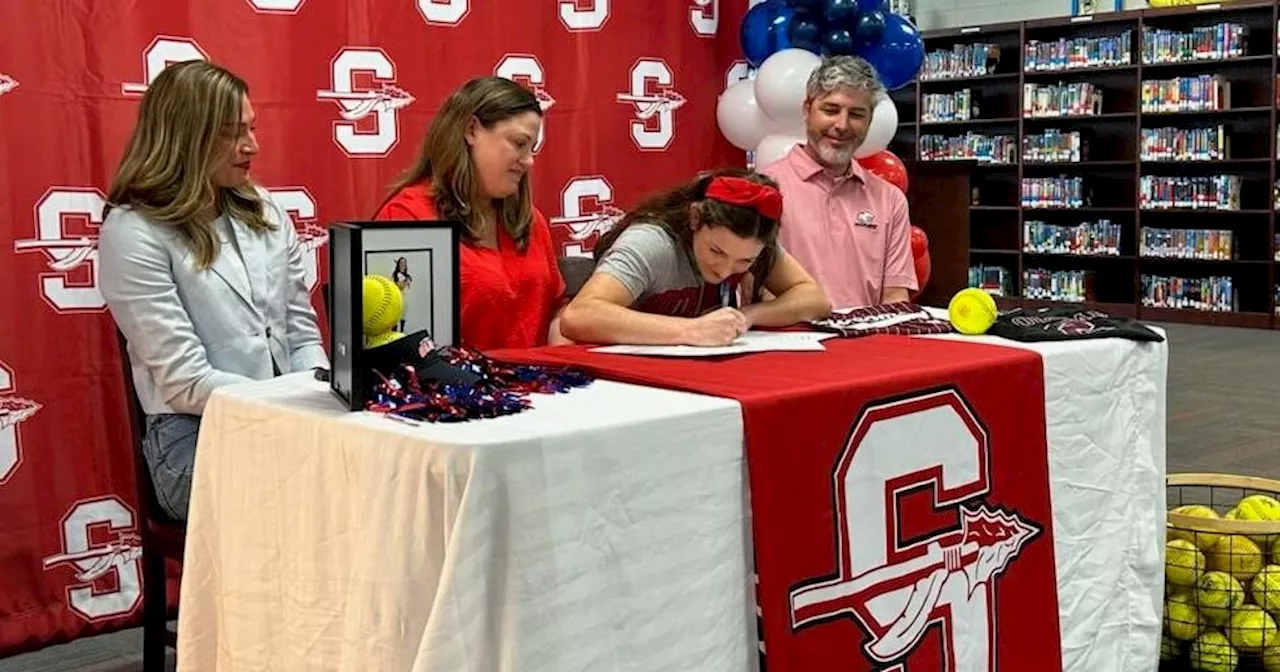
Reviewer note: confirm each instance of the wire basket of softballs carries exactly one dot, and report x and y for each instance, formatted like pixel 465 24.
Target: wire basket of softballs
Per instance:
pixel 1222 574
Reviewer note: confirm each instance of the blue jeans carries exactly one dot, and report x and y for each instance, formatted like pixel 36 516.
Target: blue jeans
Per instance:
pixel 170 448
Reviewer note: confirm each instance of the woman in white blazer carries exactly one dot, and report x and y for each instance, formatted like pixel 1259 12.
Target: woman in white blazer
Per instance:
pixel 202 271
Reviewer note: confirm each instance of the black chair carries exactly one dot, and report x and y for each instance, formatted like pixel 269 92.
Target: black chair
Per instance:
pixel 162 538
pixel 575 271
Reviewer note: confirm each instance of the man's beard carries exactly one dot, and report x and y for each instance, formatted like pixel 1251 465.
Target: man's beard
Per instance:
pixel 837 159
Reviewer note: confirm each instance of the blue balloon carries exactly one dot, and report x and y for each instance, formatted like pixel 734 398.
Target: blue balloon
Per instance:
pixel 807 4
pixel 865 6
pixel 838 42
pixel 806 34
pixel 840 11
pixel 898 55
pixel 869 29
pixel 765 30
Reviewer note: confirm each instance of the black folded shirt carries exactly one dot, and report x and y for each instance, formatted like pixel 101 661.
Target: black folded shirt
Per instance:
pixel 1068 324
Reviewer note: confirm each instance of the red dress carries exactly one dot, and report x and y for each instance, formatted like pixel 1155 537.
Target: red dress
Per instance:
pixel 508 297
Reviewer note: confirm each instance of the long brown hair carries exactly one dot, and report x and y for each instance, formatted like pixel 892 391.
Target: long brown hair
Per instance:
pixel 671 210
pixel 445 159
pixel 166 171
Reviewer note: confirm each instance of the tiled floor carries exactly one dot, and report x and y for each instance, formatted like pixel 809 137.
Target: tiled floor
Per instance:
pixel 1224 398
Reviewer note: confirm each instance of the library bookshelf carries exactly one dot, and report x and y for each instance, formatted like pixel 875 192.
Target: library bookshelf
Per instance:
pixel 1123 161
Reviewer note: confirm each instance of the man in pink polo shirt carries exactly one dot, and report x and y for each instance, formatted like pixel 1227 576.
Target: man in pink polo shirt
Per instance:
pixel 846 226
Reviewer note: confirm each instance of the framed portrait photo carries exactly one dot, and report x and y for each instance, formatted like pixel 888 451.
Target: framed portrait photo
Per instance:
pixel 421 259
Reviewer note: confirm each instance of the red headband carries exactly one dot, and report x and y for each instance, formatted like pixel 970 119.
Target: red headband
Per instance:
pixel 742 192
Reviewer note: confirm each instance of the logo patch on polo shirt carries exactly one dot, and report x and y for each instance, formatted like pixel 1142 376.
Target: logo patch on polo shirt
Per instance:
pixel 865 219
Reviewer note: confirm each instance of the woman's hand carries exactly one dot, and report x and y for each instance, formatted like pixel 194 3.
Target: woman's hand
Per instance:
pixel 719 327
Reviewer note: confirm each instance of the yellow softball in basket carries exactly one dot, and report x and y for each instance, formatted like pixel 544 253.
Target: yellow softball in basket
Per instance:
pixel 1265 588
pixel 1181 619
pixel 1212 652
pixel 1183 563
pixel 1236 555
pixel 1217 595
pixel 1257 507
pixel 1251 629
pixel 1203 540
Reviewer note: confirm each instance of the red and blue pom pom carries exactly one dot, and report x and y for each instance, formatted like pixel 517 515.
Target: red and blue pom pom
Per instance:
pixel 502 389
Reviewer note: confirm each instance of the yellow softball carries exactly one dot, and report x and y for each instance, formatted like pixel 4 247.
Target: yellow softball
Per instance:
pixel 383 304
pixel 972 311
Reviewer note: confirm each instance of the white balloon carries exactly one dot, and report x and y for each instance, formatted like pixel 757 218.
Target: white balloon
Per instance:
pixel 740 118
pixel 884 124
pixel 780 85
pixel 774 147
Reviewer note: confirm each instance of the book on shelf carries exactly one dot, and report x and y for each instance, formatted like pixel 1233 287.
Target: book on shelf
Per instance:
pixel 995 280
pixel 1205 244
pixel 959 105
pixel 1053 192
pixel 1066 286
pixel 1212 294
pixel 1200 43
pixel 1054 146
pixel 1077 53
pixel 1064 99
pixel 964 60
pixel 1087 239
pixel 1200 192
pixel 1196 93
pixel 1185 144
pixel 980 147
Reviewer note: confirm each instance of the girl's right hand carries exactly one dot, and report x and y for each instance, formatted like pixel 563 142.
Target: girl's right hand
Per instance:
pixel 719 327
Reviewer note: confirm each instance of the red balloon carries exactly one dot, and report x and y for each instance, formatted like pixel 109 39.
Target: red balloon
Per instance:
pixel 920 255
pixel 919 241
pixel 887 165
pixel 924 266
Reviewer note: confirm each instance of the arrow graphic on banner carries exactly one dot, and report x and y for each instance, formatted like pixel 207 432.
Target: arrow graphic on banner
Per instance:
pixel 356 105
pixel 647 106
pixel 16 409
pixel 987 542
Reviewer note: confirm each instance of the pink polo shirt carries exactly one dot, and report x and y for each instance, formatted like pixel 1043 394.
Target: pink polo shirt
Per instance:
pixel 851 233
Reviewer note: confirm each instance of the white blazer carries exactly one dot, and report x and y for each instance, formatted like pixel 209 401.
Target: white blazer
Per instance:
pixel 191 331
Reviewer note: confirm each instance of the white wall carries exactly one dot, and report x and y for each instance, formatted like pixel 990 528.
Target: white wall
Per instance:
pixel 931 14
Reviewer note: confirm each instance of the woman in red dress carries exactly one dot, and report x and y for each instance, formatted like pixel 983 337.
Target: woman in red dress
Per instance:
pixel 473 168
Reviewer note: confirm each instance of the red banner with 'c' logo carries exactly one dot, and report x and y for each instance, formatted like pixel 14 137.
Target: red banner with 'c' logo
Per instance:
pixel 900 501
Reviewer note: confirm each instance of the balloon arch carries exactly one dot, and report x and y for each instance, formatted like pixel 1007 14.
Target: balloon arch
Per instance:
pixel 783 41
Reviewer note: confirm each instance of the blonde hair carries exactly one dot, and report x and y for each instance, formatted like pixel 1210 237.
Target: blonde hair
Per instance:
pixel 445 159
pixel 166 171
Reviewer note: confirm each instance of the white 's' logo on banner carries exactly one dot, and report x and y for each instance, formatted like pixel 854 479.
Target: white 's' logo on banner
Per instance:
pixel 443 12
pixel 704 17
pixel 163 51
pixel 655 104
pixel 13 411
pixel 7 83
pixel 739 71
pixel 578 18
pixel 301 208
pixel 101 545
pixel 896 591
pixel 526 70
pixel 67 223
pixel 587 210
pixel 364 88
pixel 276 6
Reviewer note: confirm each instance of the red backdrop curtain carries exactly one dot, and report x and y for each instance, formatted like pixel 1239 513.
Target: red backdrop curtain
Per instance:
pixel 344 90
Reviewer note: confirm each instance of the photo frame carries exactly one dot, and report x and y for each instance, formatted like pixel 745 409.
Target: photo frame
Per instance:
pixel 421 257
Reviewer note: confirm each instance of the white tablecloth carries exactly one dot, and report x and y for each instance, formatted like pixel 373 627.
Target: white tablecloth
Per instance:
pixel 603 530
pixel 1105 415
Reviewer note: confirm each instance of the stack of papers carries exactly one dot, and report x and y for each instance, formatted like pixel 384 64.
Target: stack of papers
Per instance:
pixel 752 341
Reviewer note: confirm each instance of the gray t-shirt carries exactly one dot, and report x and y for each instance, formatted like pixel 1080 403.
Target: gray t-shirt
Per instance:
pixel 658 272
